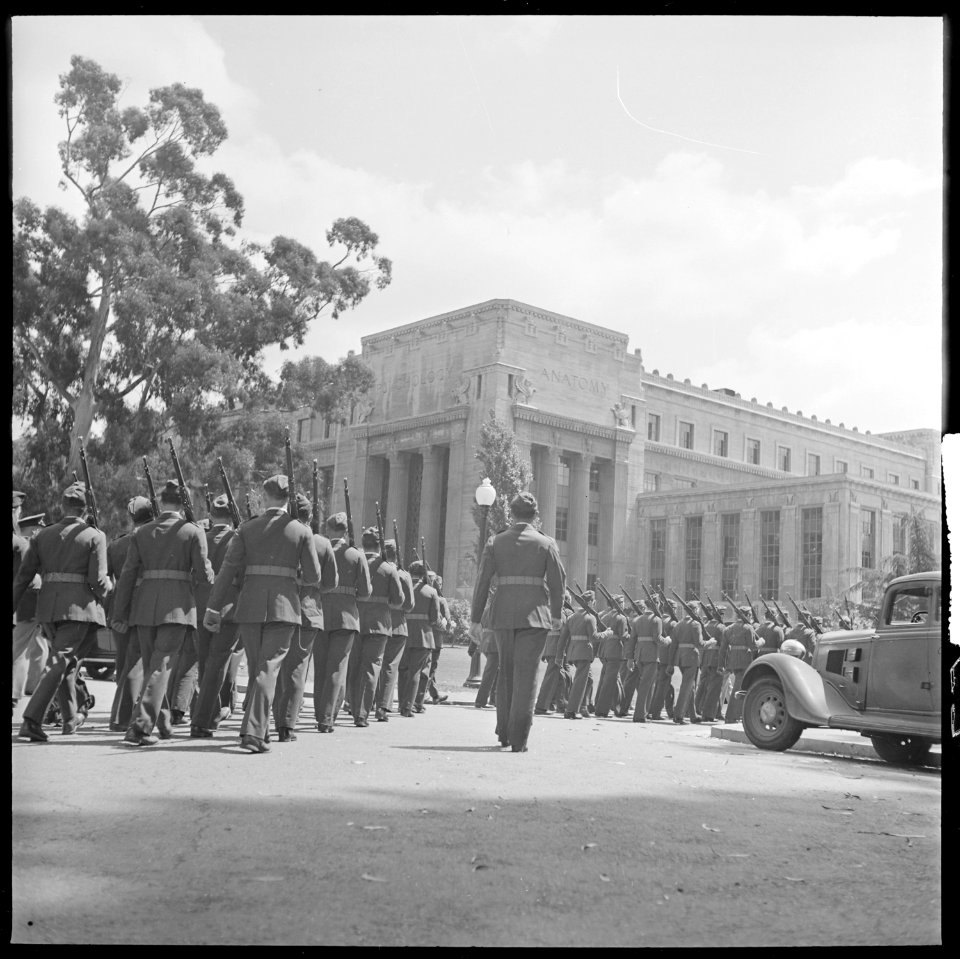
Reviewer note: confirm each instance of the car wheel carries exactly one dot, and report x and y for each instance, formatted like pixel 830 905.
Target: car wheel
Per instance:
pixel 901 750
pixel 766 721
pixel 97 671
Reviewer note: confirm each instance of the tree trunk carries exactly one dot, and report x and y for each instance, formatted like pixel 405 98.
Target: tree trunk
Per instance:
pixel 336 457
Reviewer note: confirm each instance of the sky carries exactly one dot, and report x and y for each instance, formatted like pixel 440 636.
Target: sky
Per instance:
pixel 757 202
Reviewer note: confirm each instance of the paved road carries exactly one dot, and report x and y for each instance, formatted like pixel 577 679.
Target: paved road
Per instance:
pixel 422 832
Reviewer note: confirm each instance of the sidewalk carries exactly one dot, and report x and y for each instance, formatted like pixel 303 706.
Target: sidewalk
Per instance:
pixel 837 742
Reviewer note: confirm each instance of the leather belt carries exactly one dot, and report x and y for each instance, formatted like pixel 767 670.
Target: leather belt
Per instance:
pixel 167 574
pixel 417 617
pixel 63 578
pixel 520 581
pixel 347 590
pixel 285 571
pixel 374 600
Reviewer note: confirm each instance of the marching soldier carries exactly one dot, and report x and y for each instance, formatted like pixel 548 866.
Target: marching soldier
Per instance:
pixel 393 651
pixel 805 635
pixel 609 690
pixel 770 633
pixel 579 639
pixel 366 656
pixel 71 558
pixel 650 641
pixel 665 659
pixel 687 640
pixel 129 662
pixel 429 682
pixel 29 643
pixel 552 678
pixel 487 692
pixel 341 623
pixel 737 649
pixel 526 564
pixel 628 670
pixel 420 640
pixel 268 551
pixel 707 699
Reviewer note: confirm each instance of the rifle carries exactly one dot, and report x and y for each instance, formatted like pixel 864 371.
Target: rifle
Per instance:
pixel 250 513
pixel 654 605
pixel 630 600
pixel 689 609
pixel 396 539
pixel 588 608
pixel 208 498
pixel 713 608
pixel 315 511
pixel 231 502
pixel 91 499
pixel 768 610
pixel 804 617
pixel 291 486
pixel 741 616
pixel 423 554
pixel 154 504
pixel 666 606
pixel 182 483
pixel 783 615
pixel 610 598
pixel 846 601
pixel 383 542
pixel 753 612
pixel 346 500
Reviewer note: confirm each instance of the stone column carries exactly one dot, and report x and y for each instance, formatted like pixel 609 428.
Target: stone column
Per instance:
pixel 750 554
pixel 578 519
pixel 675 566
pixel 833 579
pixel 614 537
pixel 430 500
pixel 711 556
pixel 547 489
pixel 790 558
pixel 397 501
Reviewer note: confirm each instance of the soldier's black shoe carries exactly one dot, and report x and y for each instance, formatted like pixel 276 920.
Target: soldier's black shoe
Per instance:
pixel 163 725
pixel 361 723
pixel 601 715
pixel 70 728
pixel 324 728
pixel 407 713
pixel 198 732
pixel 680 722
pixel 572 716
pixel 32 730
pixel 177 718
pixel 518 749
pixel 638 720
pixel 382 716
pixel 504 743
pixel 440 699
pixel 419 709
pixel 540 712
pixel 136 738
pixel 254 745
pixel 287 735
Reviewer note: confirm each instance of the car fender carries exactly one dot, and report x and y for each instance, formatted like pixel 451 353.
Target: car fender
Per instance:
pixel 808 698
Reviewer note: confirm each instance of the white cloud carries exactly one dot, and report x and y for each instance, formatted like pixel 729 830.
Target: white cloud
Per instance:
pixel 872 180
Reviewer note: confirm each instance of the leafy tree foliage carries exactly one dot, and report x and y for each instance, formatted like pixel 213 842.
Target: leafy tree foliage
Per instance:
pixel 509 472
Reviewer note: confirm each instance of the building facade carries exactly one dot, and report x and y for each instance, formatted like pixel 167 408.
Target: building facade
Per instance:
pixel 638 476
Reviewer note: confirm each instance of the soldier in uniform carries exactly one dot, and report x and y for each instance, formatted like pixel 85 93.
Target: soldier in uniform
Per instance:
pixel 737 649
pixel 687 641
pixel 609 690
pixel 376 621
pixel 487 693
pixel 29 643
pixel 420 640
pixel 806 636
pixel 526 564
pixel 707 699
pixel 580 638
pixel 429 682
pixel 129 662
pixel 155 595
pixel 393 651
pixel 292 674
pixel 552 681
pixel 770 633
pixel 341 623
pixel 71 558
pixel 650 641
pixel 269 551
pixel 665 657
pixel 628 671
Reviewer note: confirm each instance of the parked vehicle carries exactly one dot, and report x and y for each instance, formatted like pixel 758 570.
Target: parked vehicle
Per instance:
pixel 883 682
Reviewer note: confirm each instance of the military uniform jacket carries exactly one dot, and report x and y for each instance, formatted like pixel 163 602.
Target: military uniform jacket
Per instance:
pixel 611 648
pixel 771 635
pixel 529 576
pixel 71 558
pixel 444 615
pixel 667 650
pixel 687 638
pixel 165 560
pixel 268 551
pixel 26 609
pixel 116 557
pixel 398 617
pixel 424 618
pixel 579 638
pixel 340 603
pixel 737 646
pixel 311 601
pixel 386 594
pixel 710 655
pixel 553 638
pixel 218 540
pixel 648 630
pixel 802 634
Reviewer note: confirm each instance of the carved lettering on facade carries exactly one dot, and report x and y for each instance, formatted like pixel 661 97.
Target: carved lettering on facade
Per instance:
pixel 575 381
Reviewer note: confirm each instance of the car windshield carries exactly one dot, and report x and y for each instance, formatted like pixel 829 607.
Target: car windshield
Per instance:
pixel 910 605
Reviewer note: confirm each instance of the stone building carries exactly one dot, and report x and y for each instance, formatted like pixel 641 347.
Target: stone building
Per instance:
pixel 638 475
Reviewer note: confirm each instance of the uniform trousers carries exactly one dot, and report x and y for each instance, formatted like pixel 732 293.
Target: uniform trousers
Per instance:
pixel 205 641
pixel 184 676
pixel 389 668
pixel 707 699
pixel 577 700
pixel 628 685
pixel 70 642
pixel 159 647
pixel 331 651
pixel 366 662
pixel 129 677
pixel 735 706
pixel 646 673
pixel 414 661
pixel 217 657
pixel 520 651
pixel 684 702
pixel 487 693
pixel 265 645
pixel 549 686
pixel 609 689
pixel 664 679
pixel 291 678
pixel 428 679
pixel 28 640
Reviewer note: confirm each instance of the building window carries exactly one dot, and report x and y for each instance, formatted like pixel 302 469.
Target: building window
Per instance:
pixel 811 552
pixel 868 538
pixel 594 478
pixel 303 430
pixel 721 443
pixel 562 513
pixel 326 428
pixel 685 440
pixel 840 466
pixel 900 533
pixel 914 484
pixel 730 553
pixel 593 529
pixel 866 472
pixel 633 415
pixel 479 384
pixel 591 580
pixel 651 482
pixel 510 379
pixel 813 464
pixel 770 553
pixel 783 458
pixel 653 427
pixel 753 452
pixel 684 483
pixel 692 543
pixel 893 478
pixel 563 499
pixel 658 551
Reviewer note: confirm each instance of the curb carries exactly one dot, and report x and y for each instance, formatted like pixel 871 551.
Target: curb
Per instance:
pixel 812 744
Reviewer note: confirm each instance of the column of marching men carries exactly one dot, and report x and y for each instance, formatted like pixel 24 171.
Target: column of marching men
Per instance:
pixel 183 602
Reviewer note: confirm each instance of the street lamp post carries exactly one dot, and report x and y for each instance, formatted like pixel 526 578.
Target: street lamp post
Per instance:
pixel 485 496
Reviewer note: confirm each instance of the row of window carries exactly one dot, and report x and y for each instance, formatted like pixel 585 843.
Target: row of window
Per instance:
pixel 720 446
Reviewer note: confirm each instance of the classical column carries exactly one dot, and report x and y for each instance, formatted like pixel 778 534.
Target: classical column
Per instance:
pixel 790 551
pixel 675 566
pixel 547 489
pixel 749 553
pixel 396 507
pixel 578 518
pixel 430 488
pixel 711 556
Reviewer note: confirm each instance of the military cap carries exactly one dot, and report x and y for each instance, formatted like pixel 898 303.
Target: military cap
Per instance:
pixel 523 505
pixel 75 493
pixel 140 509
pixel 337 521
pixel 416 568
pixel 745 609
pixel 170 492
pixel 721 607
pixel 438 578
pixel 390 544
pixel 18 498
pixel 28 522
pixel 220 503
pixel 371 536
pixel 277 485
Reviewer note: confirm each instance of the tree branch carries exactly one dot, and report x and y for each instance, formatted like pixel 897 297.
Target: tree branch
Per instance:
pixel 28 343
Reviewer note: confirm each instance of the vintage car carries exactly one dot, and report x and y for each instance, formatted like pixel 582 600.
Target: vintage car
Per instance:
pixel 883 682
